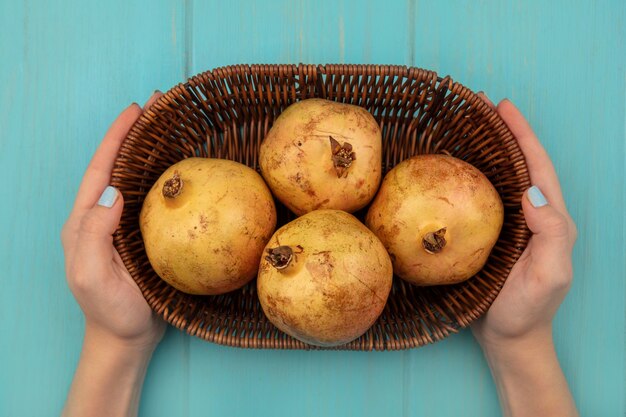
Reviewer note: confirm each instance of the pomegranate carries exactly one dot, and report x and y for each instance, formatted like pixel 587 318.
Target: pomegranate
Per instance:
pixel 322 154
pixel 205 223
pixel 325 278
pixel 439 217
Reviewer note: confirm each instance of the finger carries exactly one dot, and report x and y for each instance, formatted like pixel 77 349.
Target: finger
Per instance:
pixel 552 240
pixel 95 233
pixel 98 173
pixel 540 166
pixel 484 98
pixel 155 96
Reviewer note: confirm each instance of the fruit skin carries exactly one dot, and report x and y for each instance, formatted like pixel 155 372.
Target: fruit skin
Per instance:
pixel 208 239
pixel 296 156
pixel 336 285
pixel 424 194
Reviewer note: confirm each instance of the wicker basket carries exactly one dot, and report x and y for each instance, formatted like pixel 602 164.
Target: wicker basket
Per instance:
pixel 225 113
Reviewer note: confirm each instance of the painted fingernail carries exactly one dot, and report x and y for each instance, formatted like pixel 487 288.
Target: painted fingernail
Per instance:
pixel 108 197
pixel 536 197
pixel 156 91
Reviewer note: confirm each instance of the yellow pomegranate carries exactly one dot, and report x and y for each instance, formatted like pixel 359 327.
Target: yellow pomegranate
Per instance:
pixel 325 278
pixel 205 223
pixel 322 154
pixel 439 217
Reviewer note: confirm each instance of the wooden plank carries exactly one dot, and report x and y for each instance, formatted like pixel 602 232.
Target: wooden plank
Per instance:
pixel 68 68
pixel 282 31
pixel 236 382
pixel 166 387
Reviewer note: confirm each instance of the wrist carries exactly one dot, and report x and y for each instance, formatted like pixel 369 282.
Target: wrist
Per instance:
pixel 537 340
pixel 520 354
pixel 102 342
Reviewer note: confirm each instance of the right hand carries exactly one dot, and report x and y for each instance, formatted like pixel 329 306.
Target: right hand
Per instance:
pixel 540 279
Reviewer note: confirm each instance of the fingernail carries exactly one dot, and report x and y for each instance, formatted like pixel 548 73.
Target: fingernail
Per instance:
pixel 481 92
pixel 536 197
pixel 156 91
pixel 108 197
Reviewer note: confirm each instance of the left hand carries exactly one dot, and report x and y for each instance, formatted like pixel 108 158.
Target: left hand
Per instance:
pixel 114 307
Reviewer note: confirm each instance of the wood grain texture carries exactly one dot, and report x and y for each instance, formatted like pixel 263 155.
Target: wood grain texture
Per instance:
pixel 68 68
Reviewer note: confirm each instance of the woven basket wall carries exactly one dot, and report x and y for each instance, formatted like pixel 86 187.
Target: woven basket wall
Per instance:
pixel 225 113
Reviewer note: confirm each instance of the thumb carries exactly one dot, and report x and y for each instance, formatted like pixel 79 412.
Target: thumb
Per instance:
pixel 551 245
pixel 99 223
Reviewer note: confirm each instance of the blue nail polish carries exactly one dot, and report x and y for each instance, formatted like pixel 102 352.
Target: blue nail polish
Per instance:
pixel 536 197
pixel 108 197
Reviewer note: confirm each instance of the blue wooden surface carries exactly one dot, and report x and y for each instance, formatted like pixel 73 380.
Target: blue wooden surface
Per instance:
pixel 68 67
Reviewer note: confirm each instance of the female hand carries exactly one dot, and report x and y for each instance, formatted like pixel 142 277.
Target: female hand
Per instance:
pixel 542 276
pixel 516 332
pixel 110 299
pixel 121 331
